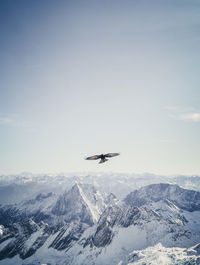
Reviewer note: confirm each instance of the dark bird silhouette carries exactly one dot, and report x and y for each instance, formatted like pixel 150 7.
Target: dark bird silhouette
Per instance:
pixel 102 157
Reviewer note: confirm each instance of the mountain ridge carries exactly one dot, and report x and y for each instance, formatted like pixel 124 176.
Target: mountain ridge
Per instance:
pixel 86 226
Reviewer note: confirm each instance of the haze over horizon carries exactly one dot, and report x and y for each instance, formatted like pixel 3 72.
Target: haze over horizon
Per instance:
pixel 80 78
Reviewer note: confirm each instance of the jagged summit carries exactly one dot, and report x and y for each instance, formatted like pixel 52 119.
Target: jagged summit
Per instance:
pixel 185 199
pixel 172 256
pixel 82 202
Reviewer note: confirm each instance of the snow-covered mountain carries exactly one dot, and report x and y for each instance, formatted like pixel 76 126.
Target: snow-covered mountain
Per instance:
pixel 171 202
pixel 185 199
pixel 83 202
pixel 15 188
pixel 84 225
pixel 158 254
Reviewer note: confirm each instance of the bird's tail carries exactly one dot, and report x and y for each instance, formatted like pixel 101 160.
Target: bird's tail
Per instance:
pixel 103 160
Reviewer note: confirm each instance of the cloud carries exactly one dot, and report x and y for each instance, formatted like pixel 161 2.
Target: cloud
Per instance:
pixel 192 116
pixel 184 114
pixel 14 121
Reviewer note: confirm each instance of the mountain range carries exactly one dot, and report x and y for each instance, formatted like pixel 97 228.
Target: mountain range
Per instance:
pixel 82 223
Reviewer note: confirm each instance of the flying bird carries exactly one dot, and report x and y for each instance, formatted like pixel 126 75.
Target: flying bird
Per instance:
pixel 102 157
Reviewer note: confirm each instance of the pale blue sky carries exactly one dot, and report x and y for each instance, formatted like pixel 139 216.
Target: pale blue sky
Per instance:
pixel 80 78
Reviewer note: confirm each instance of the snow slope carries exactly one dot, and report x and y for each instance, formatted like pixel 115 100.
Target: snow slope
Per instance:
pixel 159 255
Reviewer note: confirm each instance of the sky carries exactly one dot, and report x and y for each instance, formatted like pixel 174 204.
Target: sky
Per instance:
pixel 80 78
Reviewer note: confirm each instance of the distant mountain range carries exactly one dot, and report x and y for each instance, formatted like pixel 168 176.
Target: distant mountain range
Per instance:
pixel 15 188
pixel 82 221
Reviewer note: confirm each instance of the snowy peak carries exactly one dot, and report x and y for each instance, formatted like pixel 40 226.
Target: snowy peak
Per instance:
pixel 185 199
pixel 163 255
pixel 71 206
pixel 82 202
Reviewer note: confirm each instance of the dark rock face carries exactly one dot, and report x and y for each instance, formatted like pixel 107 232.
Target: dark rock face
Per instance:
pixel 125 215
pixel 103 236
pixel 121 216
pixel 10 214
pixel 68 236
pixel 20 233
pixel 185 199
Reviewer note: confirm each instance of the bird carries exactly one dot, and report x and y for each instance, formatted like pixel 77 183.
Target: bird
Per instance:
pixel 102 157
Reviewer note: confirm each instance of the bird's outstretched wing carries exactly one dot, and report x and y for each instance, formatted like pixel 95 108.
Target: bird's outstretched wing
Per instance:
pixel 112 154
pixel 93 157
